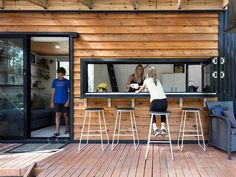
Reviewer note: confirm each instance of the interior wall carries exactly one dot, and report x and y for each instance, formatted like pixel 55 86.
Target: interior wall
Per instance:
pixel 101 76
pixel 195 76
pixel 123 71
pixel 126 35
pixel 44 90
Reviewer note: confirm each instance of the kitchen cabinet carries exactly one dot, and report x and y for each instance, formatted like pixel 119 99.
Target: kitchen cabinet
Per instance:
pixel 174 82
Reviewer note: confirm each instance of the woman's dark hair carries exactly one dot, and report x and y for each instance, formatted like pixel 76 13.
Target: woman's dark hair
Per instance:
pixel 61 70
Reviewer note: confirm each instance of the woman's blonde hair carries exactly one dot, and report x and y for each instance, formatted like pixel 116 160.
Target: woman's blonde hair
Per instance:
pixel 151 72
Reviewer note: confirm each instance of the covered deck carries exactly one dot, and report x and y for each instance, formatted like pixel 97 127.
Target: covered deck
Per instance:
pixel 122 161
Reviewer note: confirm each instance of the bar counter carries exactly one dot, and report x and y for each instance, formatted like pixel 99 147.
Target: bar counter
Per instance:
pixel 141 103
pixel 145 94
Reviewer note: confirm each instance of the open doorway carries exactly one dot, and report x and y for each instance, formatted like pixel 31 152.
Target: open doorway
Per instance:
pixel 47 55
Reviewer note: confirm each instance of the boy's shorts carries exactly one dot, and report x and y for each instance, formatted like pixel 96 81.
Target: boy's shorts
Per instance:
pixel 60 107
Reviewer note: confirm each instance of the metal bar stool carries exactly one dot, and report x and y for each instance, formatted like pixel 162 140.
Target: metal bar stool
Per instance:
pixel 182 129
pixel 166 113
pixel 100 112
pixel 134 131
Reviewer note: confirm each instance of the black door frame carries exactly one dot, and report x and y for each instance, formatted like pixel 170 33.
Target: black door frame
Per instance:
pixel 26 36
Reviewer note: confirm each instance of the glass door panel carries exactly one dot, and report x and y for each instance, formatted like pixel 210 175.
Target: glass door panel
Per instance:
pixel 11 88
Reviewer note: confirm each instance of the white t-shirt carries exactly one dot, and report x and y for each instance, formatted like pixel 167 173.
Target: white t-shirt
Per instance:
pixel 156 90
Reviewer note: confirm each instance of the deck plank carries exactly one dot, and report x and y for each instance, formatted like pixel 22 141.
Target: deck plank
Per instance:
pixel 121 162
pixel 61 163
pixel 53 161
pixel 112 165
pixel 134 162
pixel 91 159
pixel 141 163
pixel 103 162
pixel 110 162
pixel 156 162
pixel 149 162
pixel 126 167
pixel 79 157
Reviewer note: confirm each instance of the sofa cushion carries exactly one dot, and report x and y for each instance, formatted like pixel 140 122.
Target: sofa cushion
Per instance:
pixel 41 118
pixel 37 102
pixel 217 111
pixel 233 131
pixel 41 113
pixel 229 114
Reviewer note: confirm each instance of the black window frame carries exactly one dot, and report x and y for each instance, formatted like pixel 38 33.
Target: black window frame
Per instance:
pixel 84 74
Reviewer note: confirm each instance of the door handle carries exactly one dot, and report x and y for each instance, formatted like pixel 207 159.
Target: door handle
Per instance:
pixel 222 60
pixel 222 74
pixel 24 72
pixel 214 74
pixel 214 60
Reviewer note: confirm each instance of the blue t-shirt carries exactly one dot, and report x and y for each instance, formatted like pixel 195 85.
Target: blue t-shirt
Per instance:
pixel 61 90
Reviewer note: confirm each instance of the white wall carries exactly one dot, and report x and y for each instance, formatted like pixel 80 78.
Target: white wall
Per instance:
pixel 46 84
pixel 123 71
pixel 101 75
pixel 194 76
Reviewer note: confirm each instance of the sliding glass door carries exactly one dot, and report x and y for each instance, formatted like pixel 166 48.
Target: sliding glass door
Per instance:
pixel 12 107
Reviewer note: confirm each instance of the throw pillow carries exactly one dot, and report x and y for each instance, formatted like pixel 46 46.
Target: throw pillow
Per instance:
pixel 217 110
pixel 230 115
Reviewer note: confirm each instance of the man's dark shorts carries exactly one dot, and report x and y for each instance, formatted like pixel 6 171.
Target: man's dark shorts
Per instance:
pixel 60 108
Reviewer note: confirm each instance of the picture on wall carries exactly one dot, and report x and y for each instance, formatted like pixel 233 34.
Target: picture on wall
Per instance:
pixel 178 68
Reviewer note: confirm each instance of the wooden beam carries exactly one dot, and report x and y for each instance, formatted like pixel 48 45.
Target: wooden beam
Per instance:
pixel 135 4
pixel 41 3
pixel 179 3
pixel 2 4
pixel 88 3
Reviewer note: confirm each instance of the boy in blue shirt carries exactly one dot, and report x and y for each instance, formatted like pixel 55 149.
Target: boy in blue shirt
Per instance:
pixel 60 99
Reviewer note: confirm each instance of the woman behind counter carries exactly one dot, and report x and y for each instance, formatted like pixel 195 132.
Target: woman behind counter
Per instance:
pixel 135 80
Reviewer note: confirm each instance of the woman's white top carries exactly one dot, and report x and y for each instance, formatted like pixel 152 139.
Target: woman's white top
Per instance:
pixel 156 90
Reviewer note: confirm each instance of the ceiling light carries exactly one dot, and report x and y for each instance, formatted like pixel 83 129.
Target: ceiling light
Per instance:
pixel 57 47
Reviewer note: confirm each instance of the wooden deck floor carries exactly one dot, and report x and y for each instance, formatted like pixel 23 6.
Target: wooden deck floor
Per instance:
pixel 124 161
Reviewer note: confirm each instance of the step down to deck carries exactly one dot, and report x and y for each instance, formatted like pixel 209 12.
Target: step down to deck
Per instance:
pixel 30 171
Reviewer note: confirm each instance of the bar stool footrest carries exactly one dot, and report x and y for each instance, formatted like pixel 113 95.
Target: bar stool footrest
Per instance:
pixel 192 135
pixel 188 131
pixel 159 142
pixel 123 135
pixel 127 130
pixel 96 131
pixel 90 135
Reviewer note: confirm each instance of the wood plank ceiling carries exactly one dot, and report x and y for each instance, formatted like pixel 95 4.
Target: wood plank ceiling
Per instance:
pixel 50 48
pixel 111 5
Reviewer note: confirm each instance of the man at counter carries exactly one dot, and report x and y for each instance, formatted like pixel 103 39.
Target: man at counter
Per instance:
pixel 135 80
